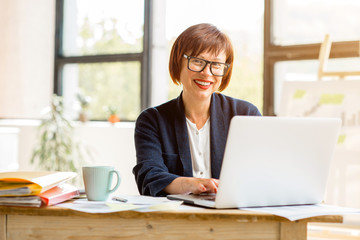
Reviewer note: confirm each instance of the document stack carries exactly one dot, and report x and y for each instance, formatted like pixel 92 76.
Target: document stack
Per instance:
pixel 35 189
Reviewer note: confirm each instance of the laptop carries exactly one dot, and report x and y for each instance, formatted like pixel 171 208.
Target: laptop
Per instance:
pixel 273 161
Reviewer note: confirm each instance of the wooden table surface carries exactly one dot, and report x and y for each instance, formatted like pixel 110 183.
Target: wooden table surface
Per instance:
pixel 62 223
pixel 209 214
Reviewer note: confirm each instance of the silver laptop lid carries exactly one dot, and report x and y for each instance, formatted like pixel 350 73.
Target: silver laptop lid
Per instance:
pixel 272 161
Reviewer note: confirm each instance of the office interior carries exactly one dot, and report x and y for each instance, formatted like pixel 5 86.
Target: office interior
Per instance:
pixel 116 54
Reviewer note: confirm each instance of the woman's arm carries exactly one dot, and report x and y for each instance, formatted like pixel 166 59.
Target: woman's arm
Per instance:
pixel 151 173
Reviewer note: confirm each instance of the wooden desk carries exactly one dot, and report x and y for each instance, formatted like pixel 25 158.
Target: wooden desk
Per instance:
pixel 59 223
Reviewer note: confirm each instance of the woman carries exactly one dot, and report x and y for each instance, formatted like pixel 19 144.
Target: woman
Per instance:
pixel 180 144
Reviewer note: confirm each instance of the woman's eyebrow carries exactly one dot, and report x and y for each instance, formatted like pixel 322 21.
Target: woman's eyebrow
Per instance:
pixel 216 59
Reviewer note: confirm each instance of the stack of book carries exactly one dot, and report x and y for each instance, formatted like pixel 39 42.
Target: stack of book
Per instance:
pixel 35 189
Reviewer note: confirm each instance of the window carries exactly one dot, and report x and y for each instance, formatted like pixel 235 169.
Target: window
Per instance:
pixel 294 31
pixel 307 21
pixel 104 50
pixel 241 20
pixel 101 52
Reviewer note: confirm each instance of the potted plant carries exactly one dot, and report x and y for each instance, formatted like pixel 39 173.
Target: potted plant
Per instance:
pixel 84 105
pixel 56 150
pixel 112 110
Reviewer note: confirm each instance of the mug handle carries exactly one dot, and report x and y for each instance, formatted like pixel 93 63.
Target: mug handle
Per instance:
pixel 118 180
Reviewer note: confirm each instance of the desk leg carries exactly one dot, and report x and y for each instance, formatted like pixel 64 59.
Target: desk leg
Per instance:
pixel 293 231
pixel 2 227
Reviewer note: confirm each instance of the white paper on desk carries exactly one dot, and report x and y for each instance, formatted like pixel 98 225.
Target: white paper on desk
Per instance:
pixel 150 204
pixel 144 205
pixel 166 206
pixel 304 211
pixel 144 200
pixel 84 205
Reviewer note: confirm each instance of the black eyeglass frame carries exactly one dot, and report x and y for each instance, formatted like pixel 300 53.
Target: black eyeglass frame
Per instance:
pixel 207 62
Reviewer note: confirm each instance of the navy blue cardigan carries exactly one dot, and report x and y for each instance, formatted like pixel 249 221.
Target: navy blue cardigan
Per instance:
pixel 162 143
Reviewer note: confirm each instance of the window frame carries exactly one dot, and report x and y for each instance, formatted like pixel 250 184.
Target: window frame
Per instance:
pixel 276 53
pixel 143 57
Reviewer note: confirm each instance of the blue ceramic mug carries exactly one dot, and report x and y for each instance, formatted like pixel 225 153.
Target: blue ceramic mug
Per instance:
pixel 98 182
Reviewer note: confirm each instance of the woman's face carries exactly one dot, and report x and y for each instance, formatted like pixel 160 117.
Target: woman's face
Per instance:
pixel 201 85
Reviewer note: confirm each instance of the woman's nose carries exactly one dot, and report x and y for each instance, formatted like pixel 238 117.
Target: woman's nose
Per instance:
pixel 207 70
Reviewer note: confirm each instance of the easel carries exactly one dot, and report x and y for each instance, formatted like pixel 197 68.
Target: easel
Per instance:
pixel 323 58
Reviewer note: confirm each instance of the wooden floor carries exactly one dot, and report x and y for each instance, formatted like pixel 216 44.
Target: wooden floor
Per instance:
pixel 333 231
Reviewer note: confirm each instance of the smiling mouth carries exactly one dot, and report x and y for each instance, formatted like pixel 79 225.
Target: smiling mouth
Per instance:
pixel 202 83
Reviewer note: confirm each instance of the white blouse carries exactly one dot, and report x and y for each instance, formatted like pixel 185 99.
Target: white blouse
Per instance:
pixel 199 141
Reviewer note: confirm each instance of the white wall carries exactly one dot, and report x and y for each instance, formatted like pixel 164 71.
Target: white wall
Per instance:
pixel 114 146
pixel 9 149
pixel 26 56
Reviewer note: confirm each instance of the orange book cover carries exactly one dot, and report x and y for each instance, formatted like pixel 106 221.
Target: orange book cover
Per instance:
pixel 59 194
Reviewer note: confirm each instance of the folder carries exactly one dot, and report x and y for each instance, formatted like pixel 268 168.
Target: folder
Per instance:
pixel 24 183
pixel 59 194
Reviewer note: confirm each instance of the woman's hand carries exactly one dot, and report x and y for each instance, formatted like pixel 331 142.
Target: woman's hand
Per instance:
pixel 183 185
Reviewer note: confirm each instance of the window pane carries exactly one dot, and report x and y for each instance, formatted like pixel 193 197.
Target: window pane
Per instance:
pixel 102 27
pixel 306 70
pixel 241 20
pixel 307 21
pixel 107 84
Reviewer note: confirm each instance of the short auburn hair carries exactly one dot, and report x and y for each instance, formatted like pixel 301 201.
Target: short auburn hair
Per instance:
pixel 195 40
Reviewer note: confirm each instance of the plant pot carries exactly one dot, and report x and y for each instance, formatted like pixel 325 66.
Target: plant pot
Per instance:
pixel 83 117
pixel 113 118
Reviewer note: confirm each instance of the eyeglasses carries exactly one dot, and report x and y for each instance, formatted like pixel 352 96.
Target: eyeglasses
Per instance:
pixel 198 64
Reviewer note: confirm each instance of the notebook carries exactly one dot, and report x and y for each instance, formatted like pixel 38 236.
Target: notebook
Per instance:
pixel 273 161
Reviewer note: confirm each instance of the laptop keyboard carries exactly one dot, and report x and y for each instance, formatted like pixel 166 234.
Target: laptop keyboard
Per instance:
pixel 209 197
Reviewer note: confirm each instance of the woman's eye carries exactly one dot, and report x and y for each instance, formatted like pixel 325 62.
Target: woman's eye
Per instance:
pixel 217 65
pixel 198 61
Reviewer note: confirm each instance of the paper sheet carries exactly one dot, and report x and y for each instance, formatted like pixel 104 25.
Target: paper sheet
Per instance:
pixel 134 203
pixel 304 211
pixel 83 205
pixel 143 200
